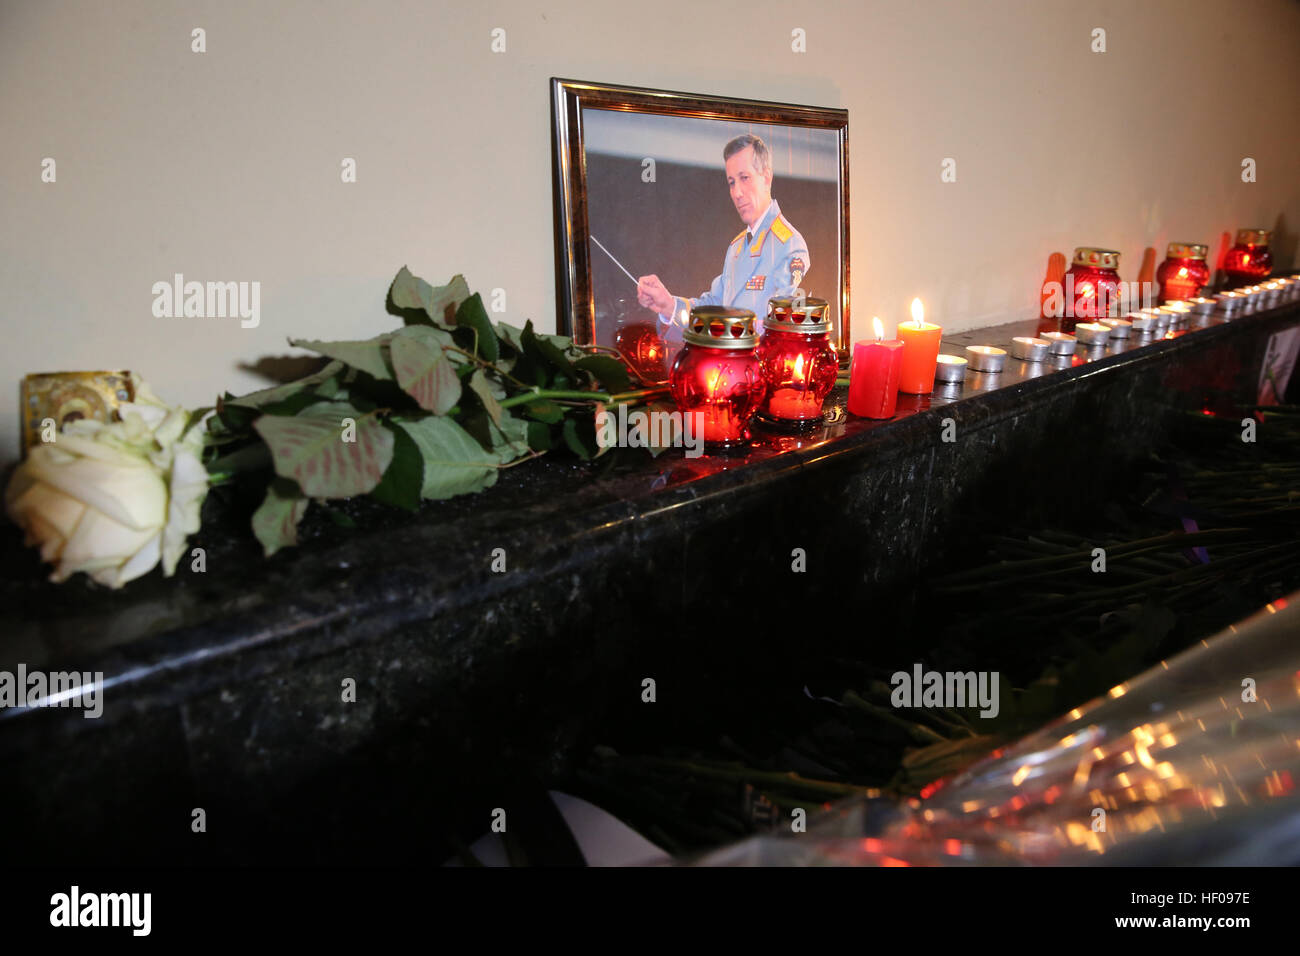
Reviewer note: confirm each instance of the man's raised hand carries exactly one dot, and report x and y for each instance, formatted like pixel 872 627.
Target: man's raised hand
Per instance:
pixel 652 294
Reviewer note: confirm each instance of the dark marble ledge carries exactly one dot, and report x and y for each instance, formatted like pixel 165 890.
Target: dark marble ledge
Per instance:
pixel 169 639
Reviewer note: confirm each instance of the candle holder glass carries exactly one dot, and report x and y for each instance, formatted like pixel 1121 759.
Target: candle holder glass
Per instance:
pixel 1249 260
pixel 717 376
pixel 799 364
pixel 1184 272
pixel 644 352
pixel 1095 276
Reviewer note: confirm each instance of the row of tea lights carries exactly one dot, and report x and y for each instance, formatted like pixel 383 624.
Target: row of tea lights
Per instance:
pixel 912 363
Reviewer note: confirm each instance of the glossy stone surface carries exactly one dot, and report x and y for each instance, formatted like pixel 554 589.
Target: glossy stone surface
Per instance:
pixel 224 688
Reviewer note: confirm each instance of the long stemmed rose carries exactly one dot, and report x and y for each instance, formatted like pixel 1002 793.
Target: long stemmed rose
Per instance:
pixel 113 499
pixel 431 410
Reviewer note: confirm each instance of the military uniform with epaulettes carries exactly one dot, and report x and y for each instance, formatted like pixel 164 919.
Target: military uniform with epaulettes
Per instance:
pixel 771 260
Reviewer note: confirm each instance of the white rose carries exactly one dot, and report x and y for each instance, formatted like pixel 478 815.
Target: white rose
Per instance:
pixel 113 499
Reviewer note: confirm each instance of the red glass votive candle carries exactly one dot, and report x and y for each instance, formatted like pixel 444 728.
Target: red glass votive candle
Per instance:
pixel 920 352
pixel 874 374
pixel 799 364
pixel 1250 260
pixel 643 351
pixel 1091 286
pixel 717 378
pixel 1184 272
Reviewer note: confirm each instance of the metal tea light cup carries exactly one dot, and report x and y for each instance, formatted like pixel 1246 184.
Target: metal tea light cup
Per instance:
pixel 1119 328
pixel 1092 333
pixel 951 368
pixel 985 358
pixel 1030 349
pixel 1230 303
pixel 1063 343
pixel 1141 324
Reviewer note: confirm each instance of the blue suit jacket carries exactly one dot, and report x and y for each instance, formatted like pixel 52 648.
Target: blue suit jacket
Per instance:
pixel 751 274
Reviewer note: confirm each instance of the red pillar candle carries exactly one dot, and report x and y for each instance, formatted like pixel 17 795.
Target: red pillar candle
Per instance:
pixel 874 376
pixel 920 352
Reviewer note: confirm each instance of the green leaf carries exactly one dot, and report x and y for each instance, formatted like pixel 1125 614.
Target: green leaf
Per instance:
pixel 562 342
pixel 480 386
pixel 607 370
pixel 476 423
pixel 411 296
pixel 581 438
pixel 336 517
pixel 546 348
pixel 511 439
pixel 367 355
pixel 544 410
pixel 454 463
pixel 278 393
pixel 423 369
pixel 254 456
pixel 539 437
pixel 472 315
pixel 275 522
pixel 509 334
pixel 330 449
pixel 294 403
pixel 404 478
pixel 231 421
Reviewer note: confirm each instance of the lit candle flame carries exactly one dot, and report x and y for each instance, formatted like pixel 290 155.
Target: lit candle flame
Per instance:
pixel 918 312
pixel 880 327
pixel 798 366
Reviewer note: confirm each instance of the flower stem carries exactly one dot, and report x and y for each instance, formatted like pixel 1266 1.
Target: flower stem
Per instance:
pixel 541 393
pixel 538 394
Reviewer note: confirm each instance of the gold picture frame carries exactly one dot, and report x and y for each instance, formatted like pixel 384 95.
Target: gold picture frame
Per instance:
pixel 679 229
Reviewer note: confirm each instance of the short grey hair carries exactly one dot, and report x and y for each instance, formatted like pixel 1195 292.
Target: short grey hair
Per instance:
pixel 762 155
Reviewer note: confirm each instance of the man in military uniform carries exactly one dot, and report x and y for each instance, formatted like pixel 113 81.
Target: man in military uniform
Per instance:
pixel 769 258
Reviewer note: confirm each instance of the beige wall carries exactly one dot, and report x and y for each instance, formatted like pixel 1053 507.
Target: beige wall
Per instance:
pixel 225 165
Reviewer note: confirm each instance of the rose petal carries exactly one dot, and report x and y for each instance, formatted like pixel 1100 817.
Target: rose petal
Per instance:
pixel 80 445
pixel 48 537
pixel 59 511
pixel 100 542
pixel 189 486
pixel 140 563
pixel 131 495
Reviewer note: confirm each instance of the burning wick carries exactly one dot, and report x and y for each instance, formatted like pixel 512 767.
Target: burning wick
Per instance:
pixel 880 327
pixel 918 313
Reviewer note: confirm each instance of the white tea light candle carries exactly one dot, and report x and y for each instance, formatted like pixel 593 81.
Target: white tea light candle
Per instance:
pixel 985 358
pixel 1062 342
pixel 1030 349
pixel 951 368
pixel 1091 333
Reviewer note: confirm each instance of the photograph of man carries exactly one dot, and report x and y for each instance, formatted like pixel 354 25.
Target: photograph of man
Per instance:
pixel 768 258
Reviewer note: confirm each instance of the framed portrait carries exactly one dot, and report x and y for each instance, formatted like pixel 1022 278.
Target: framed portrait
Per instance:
pixel 665 201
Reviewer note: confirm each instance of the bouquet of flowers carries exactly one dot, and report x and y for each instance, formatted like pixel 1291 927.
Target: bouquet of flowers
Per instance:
pixel 433 409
